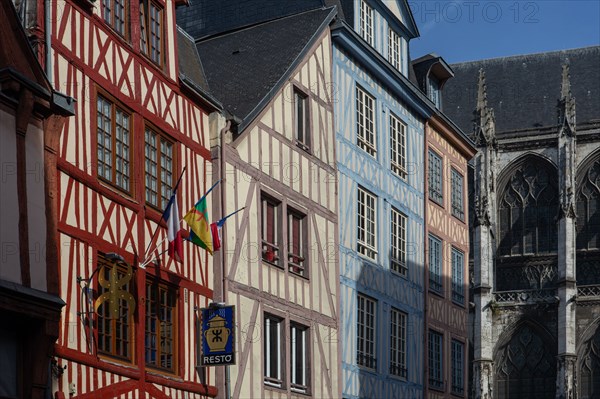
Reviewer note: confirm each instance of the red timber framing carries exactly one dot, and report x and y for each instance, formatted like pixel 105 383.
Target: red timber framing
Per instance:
pixel 96 216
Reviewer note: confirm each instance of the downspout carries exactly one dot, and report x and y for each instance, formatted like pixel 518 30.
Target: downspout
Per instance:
pixel 47 33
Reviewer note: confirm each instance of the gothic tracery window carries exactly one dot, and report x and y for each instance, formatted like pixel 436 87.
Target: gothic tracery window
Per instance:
pixel 527 210
pixel 589 368
pixel 588 209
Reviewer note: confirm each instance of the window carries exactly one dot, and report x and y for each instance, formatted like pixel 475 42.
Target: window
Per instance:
pixel 395 49
pixel 434 92
pixel 458 209
pixel 114 148
pixel 161 317
pixel 365 122
pixel 398 146
pixel 398 247
pixel 114 334
pixel 458 265
pixel 297 242
pixel 159 169
pixel 367 215
pixel 398 343
pixel 273 351
pixel 270 230
pixel 588 208
pixel 365 355
pixel 435 178
pixel 457 367
pixel 435 263
pixel 302 125
pixel 115 14
pixel 366 22
pixel 435 360
pixel 151 30
pixel 299 357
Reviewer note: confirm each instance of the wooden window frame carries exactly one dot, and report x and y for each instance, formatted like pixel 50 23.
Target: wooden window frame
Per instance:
pixel 161 139
pixel 114 108
pixel 271 251
pixel 365 122
pixel 458 266
pixel 435 261
pixel 366 240
pixel 435 359
pixel 366 325
pixel 146 30
pixel 130 317
pixel 277 381
pixel 297 263
pixel 155 283
pixel 435 181
pixel 113 16
pixel 457 377
pixel 398 263
pixel 457 202
pixel 398 146
pixel 300 386
pixel 302 119
pixel 398 333
pixel 367 22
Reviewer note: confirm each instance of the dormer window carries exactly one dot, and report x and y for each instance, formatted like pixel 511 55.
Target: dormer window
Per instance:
pixel 433 91
pixel 366 22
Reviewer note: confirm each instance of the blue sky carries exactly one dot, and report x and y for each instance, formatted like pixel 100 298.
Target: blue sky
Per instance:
pixel 471 30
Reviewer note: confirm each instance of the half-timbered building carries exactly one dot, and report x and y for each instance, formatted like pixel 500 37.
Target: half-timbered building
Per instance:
pixel 276 160
pixel 447 151
pixel 31 118
pixel 536 221
pixel 142 116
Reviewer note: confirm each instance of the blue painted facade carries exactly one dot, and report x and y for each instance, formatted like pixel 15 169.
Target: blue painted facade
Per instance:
pixel 357 63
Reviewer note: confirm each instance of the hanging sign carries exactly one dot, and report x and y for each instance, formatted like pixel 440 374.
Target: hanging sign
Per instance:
pixel 218 347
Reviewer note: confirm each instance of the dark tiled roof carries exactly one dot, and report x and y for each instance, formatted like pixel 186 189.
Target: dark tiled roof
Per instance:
pixel 243 67
pixel 189 60
pixel 524 90
pixel 209 17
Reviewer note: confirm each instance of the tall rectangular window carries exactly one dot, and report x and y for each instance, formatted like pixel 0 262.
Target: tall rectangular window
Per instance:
pixel 435 356
pixel 365 121
pixel 366 22
pixel 367 216
pixel 299 358
pixel 457 204
pixel 161 323
pixel 271 241
pixel 398 244
pixel 302 121
pixel 435 178
pixel 435 263
pixel 115 334
pixel 458 264
pixel 113 145
pixel 115 15
pixel 273 350
pixel 458 364
pixel 297 248
pixel 365 355
pixel 394 49
pixel 151 30
pixel 398 343
pixel 159 169
pixel 398 146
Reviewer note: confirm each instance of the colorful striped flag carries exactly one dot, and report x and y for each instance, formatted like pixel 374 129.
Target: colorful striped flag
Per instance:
pixel 197 219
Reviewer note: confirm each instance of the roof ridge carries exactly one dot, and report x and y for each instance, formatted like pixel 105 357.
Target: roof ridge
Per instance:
pixel 517 56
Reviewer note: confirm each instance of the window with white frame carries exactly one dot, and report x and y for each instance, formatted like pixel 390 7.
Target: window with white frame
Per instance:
pixel 398 146
pixel 395 49
pixel 297 248
pixel 458 294
pixel 302 122
pixel 435 356
pixel 458 364
pixel 365 121
pixel 435 178
pixel 457 204
pixel 299 358
pixel 398 246
pixel 273 350
pixel 365 355
pixel 366 22
pixel 435 263
pixel 398 343
pixel 367 216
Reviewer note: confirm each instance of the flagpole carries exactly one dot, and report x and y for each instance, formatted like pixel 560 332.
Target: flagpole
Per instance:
pixel 162 217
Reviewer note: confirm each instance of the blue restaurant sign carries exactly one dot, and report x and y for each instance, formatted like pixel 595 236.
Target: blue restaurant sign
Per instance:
pixel 218 327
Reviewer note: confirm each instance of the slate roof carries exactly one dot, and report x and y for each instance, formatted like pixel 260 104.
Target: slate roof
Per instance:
pixel 524 90
pixel 245 66
pixel 190 64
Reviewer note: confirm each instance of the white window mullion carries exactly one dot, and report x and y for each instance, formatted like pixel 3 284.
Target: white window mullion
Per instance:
pixel 279 351
pixel 304 354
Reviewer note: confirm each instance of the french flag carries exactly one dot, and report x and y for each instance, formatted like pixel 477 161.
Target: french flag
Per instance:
pixel 174 231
